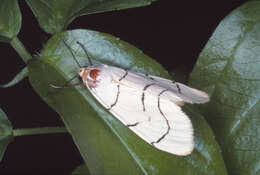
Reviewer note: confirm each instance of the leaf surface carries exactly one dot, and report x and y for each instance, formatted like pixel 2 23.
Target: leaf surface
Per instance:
pixel 229 70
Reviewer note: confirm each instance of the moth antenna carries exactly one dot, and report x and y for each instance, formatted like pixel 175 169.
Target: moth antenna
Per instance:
pixel 71 53
pixel 85 50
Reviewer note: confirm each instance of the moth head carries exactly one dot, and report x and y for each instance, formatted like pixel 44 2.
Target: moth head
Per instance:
pixel 89 75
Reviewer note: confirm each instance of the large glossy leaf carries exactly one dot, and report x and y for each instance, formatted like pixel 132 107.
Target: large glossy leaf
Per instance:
pixel 107 146
pixel 229 70
pixel 6 133
pixel 10 20
pixel 54 15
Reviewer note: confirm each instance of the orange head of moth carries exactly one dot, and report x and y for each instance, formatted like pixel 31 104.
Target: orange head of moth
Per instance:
pixel 89 76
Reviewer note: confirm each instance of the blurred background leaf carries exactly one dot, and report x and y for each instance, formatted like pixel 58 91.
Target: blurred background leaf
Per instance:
pixel 229 70
pixel 106 145
pixel 18 78
pixel 6 133
pixel 55 15
pixel 10 20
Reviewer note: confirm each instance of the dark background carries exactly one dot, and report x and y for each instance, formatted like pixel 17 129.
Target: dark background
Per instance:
pixel 172 33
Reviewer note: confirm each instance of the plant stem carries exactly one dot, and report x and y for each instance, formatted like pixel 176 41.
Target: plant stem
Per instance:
pixel 20 49
pixel 36 131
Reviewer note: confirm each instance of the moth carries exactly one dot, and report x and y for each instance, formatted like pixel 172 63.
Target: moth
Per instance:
pixel 150 106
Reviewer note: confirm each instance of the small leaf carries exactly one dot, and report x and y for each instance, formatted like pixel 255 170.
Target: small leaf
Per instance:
pixel 106 145
pixel 229 70
pixel 81 170
pixel 19 77
pixel 55 15
pixel 6 133
pixel 10 20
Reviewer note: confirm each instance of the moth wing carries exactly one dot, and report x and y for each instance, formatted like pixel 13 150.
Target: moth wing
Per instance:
pixel 144 107
pixel 186 93
pixel 157 120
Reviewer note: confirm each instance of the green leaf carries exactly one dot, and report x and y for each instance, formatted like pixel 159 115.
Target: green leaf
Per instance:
pixel 6 133
pixel 10 20
pixel 229 70
pixel 81 170
pixel 55 15
pixel 37 131
pixel 106 145
pixel 19 77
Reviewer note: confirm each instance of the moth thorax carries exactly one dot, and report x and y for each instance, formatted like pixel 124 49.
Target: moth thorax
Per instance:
pixel 93 74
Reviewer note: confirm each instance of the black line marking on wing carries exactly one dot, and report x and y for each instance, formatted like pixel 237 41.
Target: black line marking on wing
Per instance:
pixel 131 125
pixel 147 75
pixel 126 72
pixel 117 96
pixel 167 122
pixel 178 87
pixel 143 94
pixel 118 90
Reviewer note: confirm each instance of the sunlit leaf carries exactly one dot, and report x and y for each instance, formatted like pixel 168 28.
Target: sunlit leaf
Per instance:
pixel 107 146
pixel 229 70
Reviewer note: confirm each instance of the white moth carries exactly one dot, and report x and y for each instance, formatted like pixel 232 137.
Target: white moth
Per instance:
pixel 148 105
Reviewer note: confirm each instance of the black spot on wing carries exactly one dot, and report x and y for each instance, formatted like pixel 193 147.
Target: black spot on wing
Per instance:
pixel 132 125
pixel 178 87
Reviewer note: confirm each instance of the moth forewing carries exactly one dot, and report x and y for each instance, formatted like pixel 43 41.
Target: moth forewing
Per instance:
pixel 148 105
